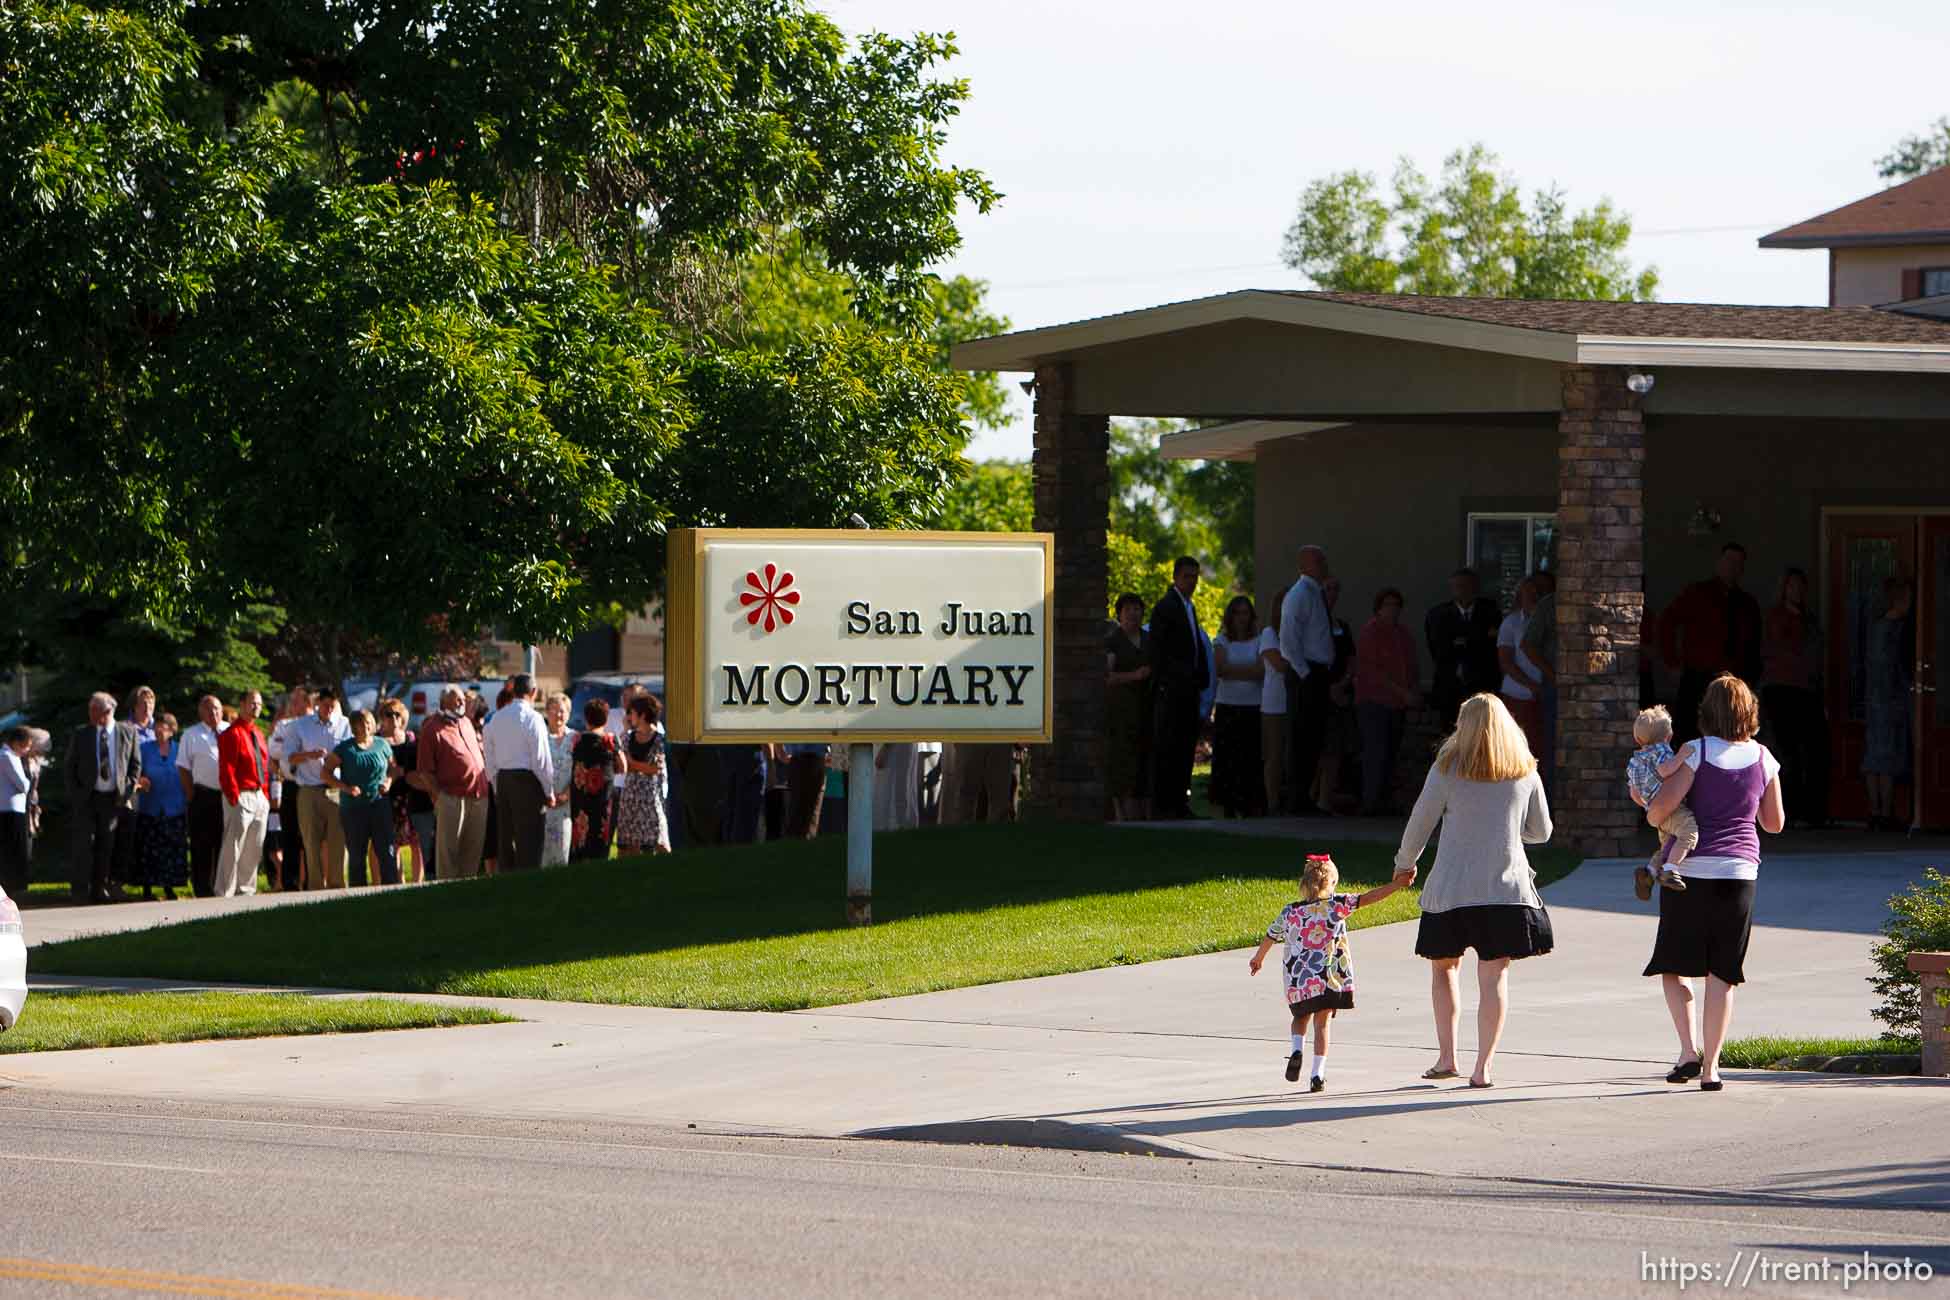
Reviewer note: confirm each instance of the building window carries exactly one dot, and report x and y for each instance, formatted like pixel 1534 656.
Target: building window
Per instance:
pixel 1936 280
pixel 1506 548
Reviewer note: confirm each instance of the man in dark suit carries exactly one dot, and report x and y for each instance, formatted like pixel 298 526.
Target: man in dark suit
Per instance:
pixel 103 775
pixel 1181 668
pixel 1462 640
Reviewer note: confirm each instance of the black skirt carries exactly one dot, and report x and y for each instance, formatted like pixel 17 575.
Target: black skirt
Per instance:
pixel 1494 930
pixel 1328 1002
pixel 1703 930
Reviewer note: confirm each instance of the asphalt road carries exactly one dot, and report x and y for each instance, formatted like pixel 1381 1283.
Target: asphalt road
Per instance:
pixel 123 1197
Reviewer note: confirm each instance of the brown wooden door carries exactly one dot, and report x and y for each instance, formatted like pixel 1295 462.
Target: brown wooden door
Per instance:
pixel 1863 552
pixel 1932 675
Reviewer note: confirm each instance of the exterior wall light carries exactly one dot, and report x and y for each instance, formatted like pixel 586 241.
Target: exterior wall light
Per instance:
pixel 1639 382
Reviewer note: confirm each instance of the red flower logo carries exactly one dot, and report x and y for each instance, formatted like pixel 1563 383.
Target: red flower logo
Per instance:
pixel 768 598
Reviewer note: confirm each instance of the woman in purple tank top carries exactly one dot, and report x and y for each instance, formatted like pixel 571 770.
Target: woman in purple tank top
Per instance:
pixel 1732 784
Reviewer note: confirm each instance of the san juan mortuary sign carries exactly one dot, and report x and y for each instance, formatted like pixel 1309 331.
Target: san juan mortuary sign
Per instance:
pixel 842 635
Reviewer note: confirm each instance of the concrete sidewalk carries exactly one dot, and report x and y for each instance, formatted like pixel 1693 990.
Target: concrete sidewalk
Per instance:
pixel 1184 1056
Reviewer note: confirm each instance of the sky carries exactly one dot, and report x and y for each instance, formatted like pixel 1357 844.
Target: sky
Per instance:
pixel 1150 152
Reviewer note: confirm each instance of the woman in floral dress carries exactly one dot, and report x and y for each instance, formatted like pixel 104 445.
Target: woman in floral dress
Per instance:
pixel 640 824
pixel 596 760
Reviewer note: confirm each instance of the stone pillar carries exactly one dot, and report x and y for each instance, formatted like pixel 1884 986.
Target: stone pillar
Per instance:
pixel 1600 599
pixel 1072 469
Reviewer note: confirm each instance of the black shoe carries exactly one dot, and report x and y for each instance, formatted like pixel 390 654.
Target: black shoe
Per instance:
pixel 1308 810
pixel 1684 1073
pixel 1318 1085
pixel 1711 1085
pixel 1293 1068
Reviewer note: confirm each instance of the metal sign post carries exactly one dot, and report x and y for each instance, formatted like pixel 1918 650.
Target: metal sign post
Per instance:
pixel 859 834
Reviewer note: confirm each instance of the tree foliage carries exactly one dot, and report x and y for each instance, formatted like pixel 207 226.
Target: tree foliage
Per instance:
pixel 92 644
pixel 1467 234
pixel 786 293
pixel 398 315
pixel 1916 154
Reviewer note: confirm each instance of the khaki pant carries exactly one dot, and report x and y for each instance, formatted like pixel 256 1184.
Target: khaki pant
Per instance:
pixel 1273 741
pixel 324 836
pixel 1678 836
pixel 460 833
pixel 243 844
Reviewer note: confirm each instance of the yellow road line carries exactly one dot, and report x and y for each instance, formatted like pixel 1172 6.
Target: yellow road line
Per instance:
pixel 129 1279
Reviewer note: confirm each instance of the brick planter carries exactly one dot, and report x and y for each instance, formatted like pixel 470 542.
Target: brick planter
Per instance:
pixel 1934 967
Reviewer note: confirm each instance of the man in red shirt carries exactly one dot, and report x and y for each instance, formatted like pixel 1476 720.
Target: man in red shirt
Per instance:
pixel 453 770
pixel 1713 627
pixel 244 778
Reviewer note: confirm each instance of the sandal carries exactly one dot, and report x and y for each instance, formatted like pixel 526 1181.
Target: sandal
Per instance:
pixel 1434 1072
pixel 1474 1084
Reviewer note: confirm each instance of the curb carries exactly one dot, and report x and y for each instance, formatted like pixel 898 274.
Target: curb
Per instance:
pixel 1050 1134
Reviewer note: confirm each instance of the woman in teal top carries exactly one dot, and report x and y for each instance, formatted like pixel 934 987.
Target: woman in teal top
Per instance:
pixel 357 770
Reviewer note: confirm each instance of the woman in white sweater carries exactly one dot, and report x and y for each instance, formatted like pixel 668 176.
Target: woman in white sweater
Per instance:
pixel 1481 893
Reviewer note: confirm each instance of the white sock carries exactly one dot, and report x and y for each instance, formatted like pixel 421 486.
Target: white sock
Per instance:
pixel 1299 1043
pixel 1320 1065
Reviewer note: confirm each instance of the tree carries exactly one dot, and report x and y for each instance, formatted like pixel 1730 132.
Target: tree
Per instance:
pixel 1916 154
pixel 995 496
pixel 367 308
pixel 93 644
pixel 786 293
pixel 1469 235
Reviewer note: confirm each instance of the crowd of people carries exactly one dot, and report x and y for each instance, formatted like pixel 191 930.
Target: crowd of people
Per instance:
pixel 319 798
pixel 1304 716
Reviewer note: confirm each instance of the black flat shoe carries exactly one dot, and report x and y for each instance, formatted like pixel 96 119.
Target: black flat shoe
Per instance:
pixel 1712 1085
pixel 1684 1073
pixel 1318 1085
pixel 1293 1068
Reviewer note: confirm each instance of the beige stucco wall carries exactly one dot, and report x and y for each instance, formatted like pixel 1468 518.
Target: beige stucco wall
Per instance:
pixel 1390 503
pixel 1864 277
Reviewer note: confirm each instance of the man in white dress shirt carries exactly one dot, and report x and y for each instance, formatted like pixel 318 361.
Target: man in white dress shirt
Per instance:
pixel 1307 645
pixel 522 772
pixel 196 767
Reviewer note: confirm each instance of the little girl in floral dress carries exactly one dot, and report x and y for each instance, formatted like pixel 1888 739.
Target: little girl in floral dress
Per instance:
pixel 1319 970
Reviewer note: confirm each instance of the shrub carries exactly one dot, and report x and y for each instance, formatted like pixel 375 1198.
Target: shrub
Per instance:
pixel 1919 921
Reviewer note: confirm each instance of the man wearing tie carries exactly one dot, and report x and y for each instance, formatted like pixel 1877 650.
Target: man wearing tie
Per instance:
pixel 1307 645
pixel 244 779
pixel 1181 667
pixel 103 774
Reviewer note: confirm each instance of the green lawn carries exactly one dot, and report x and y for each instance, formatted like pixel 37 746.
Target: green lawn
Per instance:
pixel 761 927
pixel 64 1021
pixel 1763 1053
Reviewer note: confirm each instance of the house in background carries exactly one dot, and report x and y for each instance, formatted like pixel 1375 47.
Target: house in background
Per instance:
pixel 1891 249
pixel 1620 444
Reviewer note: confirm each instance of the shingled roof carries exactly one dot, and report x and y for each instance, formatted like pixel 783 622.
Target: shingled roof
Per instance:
pixel 1914 212
pixel 1670 320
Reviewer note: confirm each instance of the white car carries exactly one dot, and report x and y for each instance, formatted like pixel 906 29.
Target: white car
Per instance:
pixel 13 963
